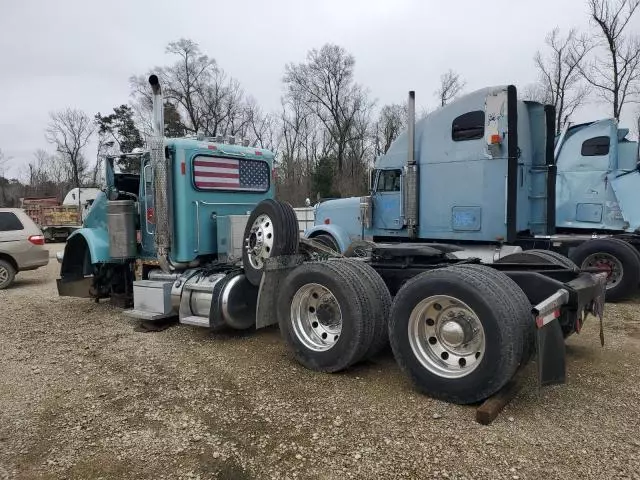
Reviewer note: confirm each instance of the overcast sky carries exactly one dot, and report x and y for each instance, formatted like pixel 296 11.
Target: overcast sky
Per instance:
pixel 80 54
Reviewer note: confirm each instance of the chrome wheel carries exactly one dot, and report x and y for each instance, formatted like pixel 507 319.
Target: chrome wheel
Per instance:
pixel 4 275
pixel 259 243
pixel 446 336
pixel 316 317
pixel 607 263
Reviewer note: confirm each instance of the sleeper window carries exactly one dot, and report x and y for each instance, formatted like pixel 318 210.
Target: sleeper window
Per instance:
pixel 469 126
pixel 596 146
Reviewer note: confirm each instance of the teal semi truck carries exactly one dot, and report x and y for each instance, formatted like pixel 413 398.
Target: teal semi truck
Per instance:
pixel 197 236
pixel 487 174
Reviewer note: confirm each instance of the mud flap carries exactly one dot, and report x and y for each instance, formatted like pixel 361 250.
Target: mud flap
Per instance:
pixel 551 354
pixel 276 271
pixel 75 288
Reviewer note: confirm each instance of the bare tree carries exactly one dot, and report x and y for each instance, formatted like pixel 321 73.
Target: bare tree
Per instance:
pixel 262 128
pixel 616 74
pixel 635 128
pixel 296 156
pixel 560 82
pixel 325 84
pixel 391 121
pixel 186 80
pixel 47 175
pixel 3 168
pixel 3 163
pixel 226 112
pixel 451 84
pixel 207 100
pixel 105 148
pixel 70 130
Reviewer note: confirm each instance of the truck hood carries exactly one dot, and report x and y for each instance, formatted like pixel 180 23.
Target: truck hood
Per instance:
pixel 342 211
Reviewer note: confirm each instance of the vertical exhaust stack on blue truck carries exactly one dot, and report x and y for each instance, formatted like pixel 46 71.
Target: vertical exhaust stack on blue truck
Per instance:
pixel 494 181
pixel 197 235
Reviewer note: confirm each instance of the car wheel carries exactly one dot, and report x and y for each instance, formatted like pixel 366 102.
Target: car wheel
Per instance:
pixel 7 274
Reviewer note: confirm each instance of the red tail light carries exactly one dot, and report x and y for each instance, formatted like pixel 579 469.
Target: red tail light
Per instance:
pixel 36 239
pixel 151 216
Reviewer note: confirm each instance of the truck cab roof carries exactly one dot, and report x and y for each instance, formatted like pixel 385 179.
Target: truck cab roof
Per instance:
pixel 220 148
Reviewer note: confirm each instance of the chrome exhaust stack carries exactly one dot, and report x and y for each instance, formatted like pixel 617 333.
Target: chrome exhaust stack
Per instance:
pixel 411 191
pixel 161 185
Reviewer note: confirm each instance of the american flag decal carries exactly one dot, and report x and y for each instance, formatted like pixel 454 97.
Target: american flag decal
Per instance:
pixel 218 173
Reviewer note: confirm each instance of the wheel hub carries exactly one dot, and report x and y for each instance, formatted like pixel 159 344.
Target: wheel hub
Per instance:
pixel 259 243
pixel 316 317
pixel 452 333
pixel 606 263
pixel 327 314
pixel 446 336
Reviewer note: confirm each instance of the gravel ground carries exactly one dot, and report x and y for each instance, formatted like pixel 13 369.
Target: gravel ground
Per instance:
pixel 83 394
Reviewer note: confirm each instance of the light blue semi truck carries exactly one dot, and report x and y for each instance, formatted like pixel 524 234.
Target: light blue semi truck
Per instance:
pixel 487 174
pixel 197 236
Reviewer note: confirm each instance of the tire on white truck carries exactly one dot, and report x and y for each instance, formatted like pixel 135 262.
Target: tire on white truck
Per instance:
pixel 456 333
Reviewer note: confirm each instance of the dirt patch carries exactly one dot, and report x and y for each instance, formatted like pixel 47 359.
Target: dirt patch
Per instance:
pixel 84 395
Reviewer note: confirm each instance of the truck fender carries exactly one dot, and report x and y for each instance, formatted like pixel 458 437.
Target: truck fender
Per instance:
pixel 338 233
pixel 97 241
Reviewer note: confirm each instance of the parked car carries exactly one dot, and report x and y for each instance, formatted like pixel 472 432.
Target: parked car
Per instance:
pixel 21 245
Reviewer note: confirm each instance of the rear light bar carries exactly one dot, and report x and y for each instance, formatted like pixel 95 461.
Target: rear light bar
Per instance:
pixel 36 239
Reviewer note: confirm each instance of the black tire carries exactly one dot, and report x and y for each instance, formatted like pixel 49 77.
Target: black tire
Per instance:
pixel 634 247
pixel 626 284
pixel 538 256
pixel 511 289
pixel 498 314
pixel 356 334
pixel 284 242
pixel 328 241
pixel 620 240
pixel 556 258
pixel 380 299
pixel 293 226
pixel 7 274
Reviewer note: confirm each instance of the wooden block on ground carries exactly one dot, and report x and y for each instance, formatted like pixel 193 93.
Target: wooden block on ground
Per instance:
pixel 492 406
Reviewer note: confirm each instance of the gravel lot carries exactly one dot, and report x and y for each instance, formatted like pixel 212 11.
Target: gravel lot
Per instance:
pixel 83 394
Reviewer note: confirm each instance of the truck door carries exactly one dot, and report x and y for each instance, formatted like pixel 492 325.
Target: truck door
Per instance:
pixel 387 200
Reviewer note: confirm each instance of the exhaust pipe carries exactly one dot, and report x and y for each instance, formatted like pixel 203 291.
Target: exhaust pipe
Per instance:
pixel 411 196
pixel 158 110
pixel 159 164
pixel 412 128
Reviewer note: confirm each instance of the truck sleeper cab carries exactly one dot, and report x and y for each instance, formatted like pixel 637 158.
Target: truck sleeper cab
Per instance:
pixel 486 180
